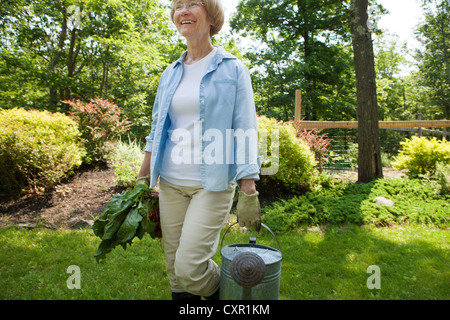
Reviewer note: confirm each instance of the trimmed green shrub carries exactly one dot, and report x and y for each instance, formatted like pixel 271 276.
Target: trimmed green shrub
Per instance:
pixel 296 162
pixel 101 125
pixel 36 149
pixel 420 155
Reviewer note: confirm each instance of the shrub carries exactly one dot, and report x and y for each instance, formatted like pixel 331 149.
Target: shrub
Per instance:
pixel 420 155
pixel 415 202
pixel 320 144
pixel 36 149
pixel 126 160
pixel 296 163
pixel 440 179
pixel 443 178
pixel 100 124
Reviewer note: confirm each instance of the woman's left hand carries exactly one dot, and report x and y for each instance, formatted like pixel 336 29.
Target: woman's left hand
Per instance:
pixel 248 209
pixel 248 186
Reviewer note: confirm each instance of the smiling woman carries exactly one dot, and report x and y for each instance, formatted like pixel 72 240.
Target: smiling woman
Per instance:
pixel 214 12
pixel 206 90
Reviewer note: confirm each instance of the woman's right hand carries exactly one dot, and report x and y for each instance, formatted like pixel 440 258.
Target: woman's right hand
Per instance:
pixel 143 180
pixel 144 173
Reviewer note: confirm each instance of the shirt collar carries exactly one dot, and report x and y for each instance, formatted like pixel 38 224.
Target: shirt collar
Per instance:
pixel 218 57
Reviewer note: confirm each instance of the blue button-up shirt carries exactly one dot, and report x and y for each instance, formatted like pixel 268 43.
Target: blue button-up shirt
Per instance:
pixel 227 117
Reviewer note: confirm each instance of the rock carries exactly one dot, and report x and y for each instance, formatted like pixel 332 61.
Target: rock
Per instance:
pixel 26 225
pixel 77 223
pixel 31 226
pixel 382 201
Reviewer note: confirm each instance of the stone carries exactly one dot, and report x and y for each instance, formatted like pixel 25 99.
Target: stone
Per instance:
pixel 41 224
pixel 77 223
pixel 382 201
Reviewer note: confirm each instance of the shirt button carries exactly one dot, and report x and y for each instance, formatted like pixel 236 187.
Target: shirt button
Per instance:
pixel 203 101
pixel 203 85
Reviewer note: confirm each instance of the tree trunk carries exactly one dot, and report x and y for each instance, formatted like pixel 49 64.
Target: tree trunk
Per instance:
pixel 55 60
pixel 369 154
pixel 74 50
pixel 71 62
pixel 305 32
pixel 104 84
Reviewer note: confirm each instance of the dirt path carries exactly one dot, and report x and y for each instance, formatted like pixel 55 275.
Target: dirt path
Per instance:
pixel 352 176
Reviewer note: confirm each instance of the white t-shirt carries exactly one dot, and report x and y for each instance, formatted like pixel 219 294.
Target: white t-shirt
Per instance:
pixel 182 155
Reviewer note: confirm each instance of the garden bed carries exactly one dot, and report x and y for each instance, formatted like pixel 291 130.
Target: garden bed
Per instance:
pixel 83 196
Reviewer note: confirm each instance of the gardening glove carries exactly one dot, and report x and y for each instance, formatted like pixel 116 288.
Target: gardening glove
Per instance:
pixel 248 210
pixel 143 180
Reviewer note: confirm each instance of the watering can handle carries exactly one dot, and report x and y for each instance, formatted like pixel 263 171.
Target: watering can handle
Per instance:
pixel 262 224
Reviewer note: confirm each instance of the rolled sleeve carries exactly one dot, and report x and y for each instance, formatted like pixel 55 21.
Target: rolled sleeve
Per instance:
pixel 155 113
pixel 149 144
pixel 245 119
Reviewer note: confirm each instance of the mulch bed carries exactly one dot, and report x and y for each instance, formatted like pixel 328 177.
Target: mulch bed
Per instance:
pixel 83 196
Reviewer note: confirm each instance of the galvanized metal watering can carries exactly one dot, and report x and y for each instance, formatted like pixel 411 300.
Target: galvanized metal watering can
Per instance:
pixel 250 271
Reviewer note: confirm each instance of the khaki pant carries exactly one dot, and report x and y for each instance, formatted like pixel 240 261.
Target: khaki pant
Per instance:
pixel 191 221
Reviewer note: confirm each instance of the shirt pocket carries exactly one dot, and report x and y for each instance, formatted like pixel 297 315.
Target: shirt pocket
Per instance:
pixel 225 93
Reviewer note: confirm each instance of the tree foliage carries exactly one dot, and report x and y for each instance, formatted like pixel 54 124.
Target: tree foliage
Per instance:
pixel 115 50
pixel 302 44
pixel 84 49
pixel 434 59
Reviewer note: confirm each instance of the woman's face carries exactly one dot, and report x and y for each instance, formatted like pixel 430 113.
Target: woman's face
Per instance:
pixel 191 19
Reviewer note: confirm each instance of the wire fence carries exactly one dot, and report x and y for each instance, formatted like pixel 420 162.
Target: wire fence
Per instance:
pixel 343 154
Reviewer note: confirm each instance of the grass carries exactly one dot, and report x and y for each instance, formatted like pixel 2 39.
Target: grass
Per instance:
pixel 329 240
pixel 318 263
pixel 413 262
pixel 34 265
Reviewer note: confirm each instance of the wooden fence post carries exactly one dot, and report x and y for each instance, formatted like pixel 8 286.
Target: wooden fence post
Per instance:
pixel 298 105
pixel 419 117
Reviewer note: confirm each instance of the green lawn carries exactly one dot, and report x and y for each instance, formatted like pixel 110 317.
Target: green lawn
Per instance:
pixel 328 263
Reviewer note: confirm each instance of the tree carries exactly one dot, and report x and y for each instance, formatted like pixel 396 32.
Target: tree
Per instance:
pixel 393 87
pixel 53 50
pixel 301 44
pixel 434 69
pixel 369 150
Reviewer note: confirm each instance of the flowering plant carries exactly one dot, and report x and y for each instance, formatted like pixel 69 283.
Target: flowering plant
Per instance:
pixel 319 143
pixel 101 123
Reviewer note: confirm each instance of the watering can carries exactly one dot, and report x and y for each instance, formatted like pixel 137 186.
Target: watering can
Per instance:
pixel 250 271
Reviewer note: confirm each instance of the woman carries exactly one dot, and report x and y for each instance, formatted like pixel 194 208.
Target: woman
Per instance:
pixel 203 115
